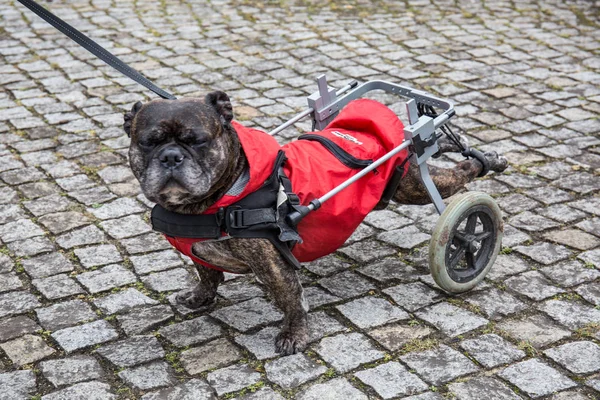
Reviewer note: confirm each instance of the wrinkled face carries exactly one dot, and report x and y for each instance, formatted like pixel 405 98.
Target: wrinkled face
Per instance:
pixel 179 148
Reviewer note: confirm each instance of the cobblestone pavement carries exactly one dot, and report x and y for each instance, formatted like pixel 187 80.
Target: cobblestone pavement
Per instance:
pixel 86 289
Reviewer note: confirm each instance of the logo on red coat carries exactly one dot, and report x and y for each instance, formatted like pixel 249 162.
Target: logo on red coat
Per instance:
pixel 347 137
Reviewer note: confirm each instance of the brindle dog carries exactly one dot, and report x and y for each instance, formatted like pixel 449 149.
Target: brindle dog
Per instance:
pixel 186 155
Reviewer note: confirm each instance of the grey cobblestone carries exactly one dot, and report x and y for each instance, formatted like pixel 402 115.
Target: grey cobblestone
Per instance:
pixel 74 227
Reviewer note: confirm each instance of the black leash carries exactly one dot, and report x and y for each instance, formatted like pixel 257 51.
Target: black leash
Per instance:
pixel 94 48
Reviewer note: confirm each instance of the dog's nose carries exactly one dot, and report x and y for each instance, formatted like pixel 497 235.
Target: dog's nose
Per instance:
pixel 171 157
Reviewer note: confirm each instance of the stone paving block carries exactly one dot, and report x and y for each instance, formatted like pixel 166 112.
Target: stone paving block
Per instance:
pixel 165 281
pixel 425 396
pixel 249 314
pixel 496 303
pixel 106 278
pixel 491 350
pixel 440 365
pixel 63 221
pixel 10 282
pixel 46 265
pixel 538 330
pixel 338 388
pixel 368 312
pixel 80 237
pixel 394 337
pixel 157 261
pixel 6 264
pixel 19 230
pixel 57 286
pixel 367 251
pixel 571 315
pixel 592 257
pixel 232 379
pixel 346 284
pixel 86 390
pixel 386 220
pixel 292 371
pixel 215 354
pixel 26 349
pixel 260 344
pixel 482 388
pixel 570 273
pixel 132 351
pixel 413 296
pixel 11 328
pixel 316 297
pixel 534 285
pixel 347 351
pixel 65 314
pixel 194 389
pixel 149 376
pixel 389 269
pixel 125 227
pixel 48 204
pixel 573 238
pixel 265 393
pixel 590 292
pixel 94 256
pixel 450 319
pixel 544 253
pixel 191 332
pixel 123 301
pixel 81 336
pixel 240 291
pixel 143 319
pixel 536 378
pixel 405 238
pixel 578 357
pixel 68 371
pixel 145 243
pixel 17 384
pixel 391 380
pixel 13 303
pixel 326 265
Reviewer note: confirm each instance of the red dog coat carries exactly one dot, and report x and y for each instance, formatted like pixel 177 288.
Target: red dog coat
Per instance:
pixel 365 130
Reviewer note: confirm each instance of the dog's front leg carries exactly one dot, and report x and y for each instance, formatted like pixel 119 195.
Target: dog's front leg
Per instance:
pixel 447 180
pixel 205 292
pixel 282 283
pixel 220 255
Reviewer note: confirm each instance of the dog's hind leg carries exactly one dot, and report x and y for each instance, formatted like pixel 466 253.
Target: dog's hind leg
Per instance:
pixel 282 282
pixel 447 180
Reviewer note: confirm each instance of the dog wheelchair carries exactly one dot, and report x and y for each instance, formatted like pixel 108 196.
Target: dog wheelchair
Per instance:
pixel 468 236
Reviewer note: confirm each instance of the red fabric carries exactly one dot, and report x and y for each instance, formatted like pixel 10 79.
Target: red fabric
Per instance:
pixel 314 171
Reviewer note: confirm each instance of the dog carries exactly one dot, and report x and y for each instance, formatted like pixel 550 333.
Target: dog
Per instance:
pixel 186 155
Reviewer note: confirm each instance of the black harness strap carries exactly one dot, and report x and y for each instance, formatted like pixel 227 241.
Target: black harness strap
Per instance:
pixel 255 216
pixel 94 48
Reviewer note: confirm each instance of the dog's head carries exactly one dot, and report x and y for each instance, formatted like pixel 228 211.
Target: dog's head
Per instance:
pixel 181 149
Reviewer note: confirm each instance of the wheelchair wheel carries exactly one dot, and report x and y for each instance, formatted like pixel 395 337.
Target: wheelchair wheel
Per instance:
pixel 465 242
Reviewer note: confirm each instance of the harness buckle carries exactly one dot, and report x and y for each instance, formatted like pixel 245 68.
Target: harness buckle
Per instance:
pixel 235 219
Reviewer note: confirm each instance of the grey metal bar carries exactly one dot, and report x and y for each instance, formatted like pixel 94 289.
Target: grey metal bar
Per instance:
pixel 304 113
pixel 362 173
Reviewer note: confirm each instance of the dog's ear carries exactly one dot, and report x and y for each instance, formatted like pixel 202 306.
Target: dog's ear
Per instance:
pixel 129 117
pixel 220 102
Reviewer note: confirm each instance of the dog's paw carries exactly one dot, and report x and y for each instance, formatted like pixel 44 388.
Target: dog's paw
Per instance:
pixel 193 299
pixel 497 162
pixel 291 342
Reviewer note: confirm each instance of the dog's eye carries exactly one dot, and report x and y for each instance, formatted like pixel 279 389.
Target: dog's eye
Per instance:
pixel 147 144
pixel 196 142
